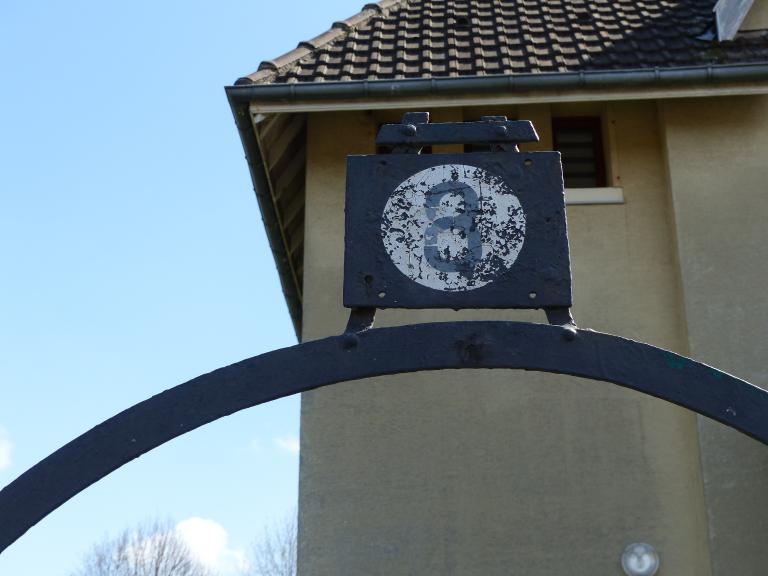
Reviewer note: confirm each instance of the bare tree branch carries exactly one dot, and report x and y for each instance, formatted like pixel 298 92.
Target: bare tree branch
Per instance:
pixel 275 553
pixel 154 549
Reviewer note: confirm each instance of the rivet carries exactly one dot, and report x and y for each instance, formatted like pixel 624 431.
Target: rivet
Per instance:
pixel 409 130
pixel 501 130
pixel 350 341
pixel 569 333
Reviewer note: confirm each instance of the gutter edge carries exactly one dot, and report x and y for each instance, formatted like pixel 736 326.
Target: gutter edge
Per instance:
pixel 713 73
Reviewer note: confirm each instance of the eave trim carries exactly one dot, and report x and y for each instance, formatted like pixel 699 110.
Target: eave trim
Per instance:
pixel 262 188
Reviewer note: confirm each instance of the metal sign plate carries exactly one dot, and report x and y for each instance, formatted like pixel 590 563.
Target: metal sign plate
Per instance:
pixel 481 230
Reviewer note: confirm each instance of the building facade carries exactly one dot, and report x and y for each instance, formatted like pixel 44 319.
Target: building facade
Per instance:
pixel 663 127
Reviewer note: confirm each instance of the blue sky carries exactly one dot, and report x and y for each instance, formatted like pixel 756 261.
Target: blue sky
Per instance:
pixel 133 258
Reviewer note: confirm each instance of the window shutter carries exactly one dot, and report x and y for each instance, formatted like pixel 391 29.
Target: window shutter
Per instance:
pixel 580 142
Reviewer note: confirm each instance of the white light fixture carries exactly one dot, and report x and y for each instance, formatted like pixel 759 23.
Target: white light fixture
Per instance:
pixel 640 559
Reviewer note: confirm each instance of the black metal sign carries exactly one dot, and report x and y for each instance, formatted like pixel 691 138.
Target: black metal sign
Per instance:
pixel 477 230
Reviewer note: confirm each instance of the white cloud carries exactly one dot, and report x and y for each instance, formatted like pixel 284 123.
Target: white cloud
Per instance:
pixel 6 446
pixel 208 541
pixel 287 443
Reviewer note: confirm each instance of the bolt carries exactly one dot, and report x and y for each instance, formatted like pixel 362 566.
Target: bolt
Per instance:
pixel 569 333
pixel 409 130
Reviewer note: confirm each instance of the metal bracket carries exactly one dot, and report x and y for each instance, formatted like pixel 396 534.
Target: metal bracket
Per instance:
pixel 506 146
pixel 412 121
pixel 360 320
pixel 415 132
pixel 561 316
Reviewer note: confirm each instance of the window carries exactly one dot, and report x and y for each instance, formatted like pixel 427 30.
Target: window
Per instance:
pixel 580 141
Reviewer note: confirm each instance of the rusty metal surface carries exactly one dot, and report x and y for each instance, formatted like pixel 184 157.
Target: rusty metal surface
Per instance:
pixel 363 354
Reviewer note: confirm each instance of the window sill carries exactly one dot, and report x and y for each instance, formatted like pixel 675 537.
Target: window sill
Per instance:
pixel 607 195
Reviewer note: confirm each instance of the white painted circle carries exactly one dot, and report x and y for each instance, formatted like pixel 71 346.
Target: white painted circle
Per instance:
pixel 453 227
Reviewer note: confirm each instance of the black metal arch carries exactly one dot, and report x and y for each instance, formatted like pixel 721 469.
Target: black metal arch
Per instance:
pixel 260 379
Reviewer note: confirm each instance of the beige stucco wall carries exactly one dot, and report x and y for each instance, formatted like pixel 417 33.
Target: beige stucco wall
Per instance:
pixel 717 152
pixel 757 17
pixel 500 472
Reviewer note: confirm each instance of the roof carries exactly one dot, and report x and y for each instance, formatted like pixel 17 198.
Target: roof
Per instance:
pixel 401 39
pixel 437 48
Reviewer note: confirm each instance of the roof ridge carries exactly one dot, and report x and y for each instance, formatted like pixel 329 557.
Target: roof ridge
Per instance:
pixel 337 30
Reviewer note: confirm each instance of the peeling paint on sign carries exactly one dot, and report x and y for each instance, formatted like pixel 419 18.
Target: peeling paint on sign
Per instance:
pixel 453 227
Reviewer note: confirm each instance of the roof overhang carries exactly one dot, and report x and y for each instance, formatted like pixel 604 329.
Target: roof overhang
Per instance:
pixel 250 102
